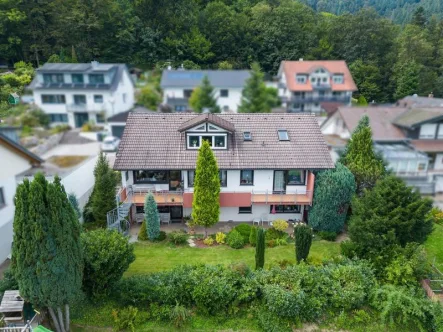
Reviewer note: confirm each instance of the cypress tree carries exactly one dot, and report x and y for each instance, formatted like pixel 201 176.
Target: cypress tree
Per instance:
pixel 143 233
pixel 255 97
pixel 332 196
pixel 73 55
pixel 360 158
pixel 206 204
pixel 303 241
pixel 152 218
pixel 260 249
pixel 48 262
pixel 103 193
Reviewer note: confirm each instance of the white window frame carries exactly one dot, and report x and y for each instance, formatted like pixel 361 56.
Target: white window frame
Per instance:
pixel 300 79
pixel 338 79
pixel 200 141
pixel 428 131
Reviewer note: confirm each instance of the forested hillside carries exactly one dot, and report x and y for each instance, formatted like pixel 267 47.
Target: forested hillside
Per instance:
pixel 400 11
pixel 387 60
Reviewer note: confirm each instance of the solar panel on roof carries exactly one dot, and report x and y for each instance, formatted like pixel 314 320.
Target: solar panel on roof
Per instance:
pixel 186 76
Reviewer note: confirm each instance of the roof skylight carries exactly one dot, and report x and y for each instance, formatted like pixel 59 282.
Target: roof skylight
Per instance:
pixel 247 136
pixel 283 135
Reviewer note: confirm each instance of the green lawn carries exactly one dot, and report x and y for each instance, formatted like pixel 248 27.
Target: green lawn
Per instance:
pixel 154 257
pixel 434 246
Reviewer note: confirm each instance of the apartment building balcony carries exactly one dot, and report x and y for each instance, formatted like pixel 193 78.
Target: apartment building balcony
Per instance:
pixel 321 86
pixel 136 195
pixel 319 99
pixel 83 108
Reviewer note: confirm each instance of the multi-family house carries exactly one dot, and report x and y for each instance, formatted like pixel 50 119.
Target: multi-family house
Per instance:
pixel 309 86
pixel 177 86
pixel 266 163
pixel 410 139
pixel 15 160
pixel 76 93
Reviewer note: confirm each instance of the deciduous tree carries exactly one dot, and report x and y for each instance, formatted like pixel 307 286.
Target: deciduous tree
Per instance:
pixel 206 204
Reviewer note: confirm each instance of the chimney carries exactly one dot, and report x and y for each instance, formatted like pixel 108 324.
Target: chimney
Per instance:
pixel 94 64
pixel 301 59
pixel 431 95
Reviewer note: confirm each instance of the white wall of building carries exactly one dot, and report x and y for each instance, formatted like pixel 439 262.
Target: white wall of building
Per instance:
pixel 114 102
pixel 232 101
pixel 12 165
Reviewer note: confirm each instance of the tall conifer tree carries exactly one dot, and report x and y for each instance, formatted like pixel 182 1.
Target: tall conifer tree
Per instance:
pixel 152 218
pixel 206 204
pixel 255 98
pixel 48 262
pixel 203 97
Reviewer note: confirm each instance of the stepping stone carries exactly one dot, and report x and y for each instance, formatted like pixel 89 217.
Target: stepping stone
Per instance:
pixel 190 241
pixel 192 244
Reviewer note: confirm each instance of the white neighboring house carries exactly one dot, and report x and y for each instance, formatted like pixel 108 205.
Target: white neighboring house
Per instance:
pixel 15 160
pixel 228 85
pixel 76 93
pixel 309 86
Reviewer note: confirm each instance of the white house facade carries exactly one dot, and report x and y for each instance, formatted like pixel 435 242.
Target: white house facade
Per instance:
pixel 304 86
pixel 266 163
pixel 74 94
pixel 15 160
pixel 178 85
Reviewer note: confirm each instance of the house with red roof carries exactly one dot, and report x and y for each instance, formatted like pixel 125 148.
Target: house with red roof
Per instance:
pixel 310 86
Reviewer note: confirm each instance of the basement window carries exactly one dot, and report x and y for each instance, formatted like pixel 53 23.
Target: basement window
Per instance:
pixel 283 135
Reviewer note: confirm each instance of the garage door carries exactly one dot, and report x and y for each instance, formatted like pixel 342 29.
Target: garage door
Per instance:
pixel 117 131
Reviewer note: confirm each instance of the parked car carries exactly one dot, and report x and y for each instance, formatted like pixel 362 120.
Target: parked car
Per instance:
pixel 110 144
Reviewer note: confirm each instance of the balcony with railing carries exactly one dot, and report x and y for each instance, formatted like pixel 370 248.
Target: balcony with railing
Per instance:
pixel 294 198
pixel 83 108
pixel 319 99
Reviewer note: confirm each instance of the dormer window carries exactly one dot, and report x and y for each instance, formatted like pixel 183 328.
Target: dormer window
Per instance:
pixel 338 79
pixel 301 79
pixel 247 136
pixel 216 141
pixel 283 135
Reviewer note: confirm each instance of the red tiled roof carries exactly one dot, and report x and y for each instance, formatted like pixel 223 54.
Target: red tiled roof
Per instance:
pixel 291 68
pixel 153 141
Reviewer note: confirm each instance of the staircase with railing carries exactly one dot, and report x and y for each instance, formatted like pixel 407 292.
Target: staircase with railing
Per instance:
pixel 117 218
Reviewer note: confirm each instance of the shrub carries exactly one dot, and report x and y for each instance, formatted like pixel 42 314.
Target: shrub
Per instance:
pixel 245 231
pixel 281 242
pixel 303 241
pixel 398 305
pixel 142 234
pixel 328 236
pixel 220 237
pixel 271 322
pixel 282 302
pixel 107 255
pixel 209 241
pixel 161 236
pixel 8 282
pixel 273 234
pixel 160 312
pixel 253 236
pixel 280 225
pixel 125 319
pixel 348 249
pixel 436 215
pixel 180 315
pixel 235 240
pixel 178 237
pixel 271 243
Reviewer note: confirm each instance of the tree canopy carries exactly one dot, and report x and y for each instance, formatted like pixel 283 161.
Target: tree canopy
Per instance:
pixel 203 98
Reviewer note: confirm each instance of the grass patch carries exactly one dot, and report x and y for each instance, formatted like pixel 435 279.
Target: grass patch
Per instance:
pixel 155 257
pixel 434 247
pixel 66 161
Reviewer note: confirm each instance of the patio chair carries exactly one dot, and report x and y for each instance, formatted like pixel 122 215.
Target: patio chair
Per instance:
pixel 256 221
pixel 165 218
pixel 265 218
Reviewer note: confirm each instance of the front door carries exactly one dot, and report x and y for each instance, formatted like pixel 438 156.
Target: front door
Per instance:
pixel 80 119
pixel 176 213
pixel 279 181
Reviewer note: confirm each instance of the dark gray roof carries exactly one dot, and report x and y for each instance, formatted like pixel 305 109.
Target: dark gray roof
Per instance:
pixel 192 78
pixel 28 154
pixel 85 68
pixel 417 101
pixel 153 141
pixel 121 117
pixel 416 116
